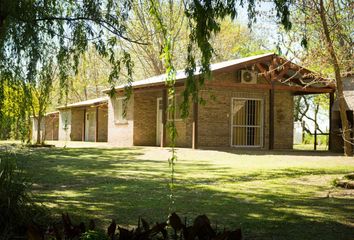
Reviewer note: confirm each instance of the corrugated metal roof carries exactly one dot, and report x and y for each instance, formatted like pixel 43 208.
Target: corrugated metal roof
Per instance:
pixel 50 113
pixel 180 75
pixel 85 103
pixel 47 114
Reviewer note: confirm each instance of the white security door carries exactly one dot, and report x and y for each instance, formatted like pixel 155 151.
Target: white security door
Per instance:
pixel 158 121
pixel 247 122
pixel 90 126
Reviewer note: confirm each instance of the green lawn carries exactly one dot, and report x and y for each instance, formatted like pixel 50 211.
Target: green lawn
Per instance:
pixel 270 195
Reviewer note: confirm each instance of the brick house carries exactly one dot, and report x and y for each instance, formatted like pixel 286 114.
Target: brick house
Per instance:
pixel 49 127
pixel 336 136
pixel 84 121
pixel 249 104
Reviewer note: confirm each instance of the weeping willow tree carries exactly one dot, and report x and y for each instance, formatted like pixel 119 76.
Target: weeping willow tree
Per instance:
pixel 29 30
pixel 33 31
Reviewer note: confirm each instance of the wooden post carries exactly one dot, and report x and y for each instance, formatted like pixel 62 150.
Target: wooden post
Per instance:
pixel 96 129
pixel 164 118
pixel 84 127
pixel 331 102
pixel 271 117
pixel 52 128
pixel 315 140
pixel 195 125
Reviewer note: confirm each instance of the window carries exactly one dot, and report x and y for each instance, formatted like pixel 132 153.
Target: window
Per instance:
pixel 247 122
pixel 118 105
pixel 178 101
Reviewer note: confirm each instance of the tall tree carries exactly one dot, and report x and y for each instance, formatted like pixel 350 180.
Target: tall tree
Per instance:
pixel 144 24
pixel 307 107
pixel 331 21
pixel 233 41
pixel 91 78
pixel 14 123
pixel 64 29
pixel 40 96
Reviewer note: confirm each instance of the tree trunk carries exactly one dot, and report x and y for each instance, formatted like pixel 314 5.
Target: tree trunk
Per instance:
pixel 340 96
pixel 39 120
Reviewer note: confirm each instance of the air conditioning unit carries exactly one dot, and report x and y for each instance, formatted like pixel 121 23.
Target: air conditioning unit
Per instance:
pixel 248 77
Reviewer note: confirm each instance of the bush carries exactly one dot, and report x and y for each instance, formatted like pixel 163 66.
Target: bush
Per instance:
pixel 309 139
pixel 94 235
pixel 16 206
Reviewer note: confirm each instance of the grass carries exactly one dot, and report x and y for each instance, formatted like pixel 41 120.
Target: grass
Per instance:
pixel 310 147
pixel 270 195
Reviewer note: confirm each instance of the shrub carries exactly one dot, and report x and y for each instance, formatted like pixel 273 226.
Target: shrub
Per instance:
pixel 94 235
pixel 309 139
pixel 16 206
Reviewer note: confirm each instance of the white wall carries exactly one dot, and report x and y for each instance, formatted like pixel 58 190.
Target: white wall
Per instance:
pixel 64 125
pixel 121 135
pixel 298 132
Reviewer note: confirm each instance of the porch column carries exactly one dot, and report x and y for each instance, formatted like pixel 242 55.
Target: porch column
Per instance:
pixel 96 129
pixel 164 118
pixel 331 102
pixel 83 127
pixel 271 117
pixel 195 125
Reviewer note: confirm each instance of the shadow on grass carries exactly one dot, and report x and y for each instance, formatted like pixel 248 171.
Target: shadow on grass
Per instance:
pixel 261 152
pixel 118 183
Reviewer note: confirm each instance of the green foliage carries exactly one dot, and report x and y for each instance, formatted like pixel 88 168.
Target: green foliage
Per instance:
pixel 307 29
pixel 204 22
pixel 94 235
pixel 310 139
pixel 31 32
pixel 16 205
pixel 14 112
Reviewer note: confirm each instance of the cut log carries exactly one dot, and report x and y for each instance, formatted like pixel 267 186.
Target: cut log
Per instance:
pixel 345 184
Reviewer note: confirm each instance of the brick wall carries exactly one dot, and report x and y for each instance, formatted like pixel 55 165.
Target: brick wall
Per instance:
pixel 337 144
pixel 283 120
pixel 214 116
pixel 145 110
pixel 145 122
pixel 77 124
pixel 103 123
pixel 51 127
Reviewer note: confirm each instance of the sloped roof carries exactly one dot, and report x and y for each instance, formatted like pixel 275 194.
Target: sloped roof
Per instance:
pixel 85 103
pixel 181 74
pixel 49 114
pixel 52 113
pixel 297 76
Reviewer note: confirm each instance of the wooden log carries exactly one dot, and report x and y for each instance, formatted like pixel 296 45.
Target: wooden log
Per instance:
pixel 345 184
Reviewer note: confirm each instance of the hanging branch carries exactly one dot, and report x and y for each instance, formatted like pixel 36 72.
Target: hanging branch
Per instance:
pixel 170 81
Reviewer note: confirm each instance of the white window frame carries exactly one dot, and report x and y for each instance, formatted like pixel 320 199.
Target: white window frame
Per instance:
pixel 261 127
pixel 118 117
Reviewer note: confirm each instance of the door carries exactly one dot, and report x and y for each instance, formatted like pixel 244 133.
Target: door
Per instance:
pixel 90 126
pixel 247 122
pixel 158 121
